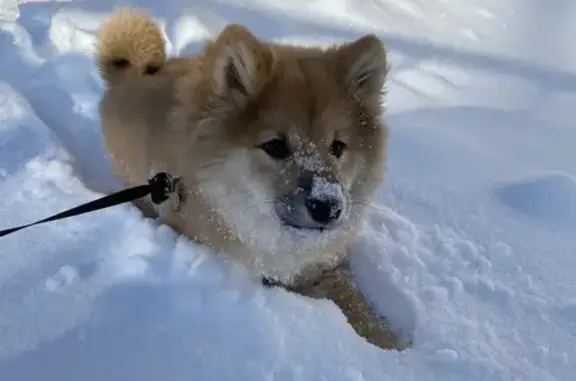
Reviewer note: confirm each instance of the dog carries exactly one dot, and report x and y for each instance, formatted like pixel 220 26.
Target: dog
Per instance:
pixel 279 149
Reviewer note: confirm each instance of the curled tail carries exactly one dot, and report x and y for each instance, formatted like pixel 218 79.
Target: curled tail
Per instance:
pixel 129 43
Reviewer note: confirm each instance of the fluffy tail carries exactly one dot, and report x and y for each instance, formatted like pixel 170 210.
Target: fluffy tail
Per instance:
pixel 129 44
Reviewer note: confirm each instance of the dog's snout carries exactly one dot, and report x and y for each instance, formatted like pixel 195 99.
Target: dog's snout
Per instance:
pixel 325 210
pixel 318 202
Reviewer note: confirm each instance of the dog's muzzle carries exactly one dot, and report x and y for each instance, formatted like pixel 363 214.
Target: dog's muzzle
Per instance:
pixel 316 204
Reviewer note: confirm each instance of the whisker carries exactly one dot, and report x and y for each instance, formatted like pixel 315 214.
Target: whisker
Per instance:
pixel 239 204
pixel 243 206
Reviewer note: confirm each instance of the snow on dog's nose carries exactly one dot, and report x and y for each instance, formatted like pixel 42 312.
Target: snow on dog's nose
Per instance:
pixel 316 203
pixel 325 201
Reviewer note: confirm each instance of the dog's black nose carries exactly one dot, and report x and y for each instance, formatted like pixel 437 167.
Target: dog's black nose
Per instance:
pixel 324 211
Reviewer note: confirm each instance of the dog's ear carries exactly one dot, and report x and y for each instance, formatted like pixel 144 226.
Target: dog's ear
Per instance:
pixel 241 64
pixel 362 67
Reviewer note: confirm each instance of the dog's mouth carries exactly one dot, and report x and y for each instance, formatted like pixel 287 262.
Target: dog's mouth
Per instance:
pixel 305 226
pixel 316 229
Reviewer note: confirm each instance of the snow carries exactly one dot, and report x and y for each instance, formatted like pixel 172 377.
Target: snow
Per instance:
pixel 325 190
pixel 469 250
pixel 550 197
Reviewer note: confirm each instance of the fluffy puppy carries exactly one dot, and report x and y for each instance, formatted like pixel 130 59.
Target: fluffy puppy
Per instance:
pixel 280 148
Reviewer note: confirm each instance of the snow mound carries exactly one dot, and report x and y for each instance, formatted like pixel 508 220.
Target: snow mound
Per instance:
pixel 549 197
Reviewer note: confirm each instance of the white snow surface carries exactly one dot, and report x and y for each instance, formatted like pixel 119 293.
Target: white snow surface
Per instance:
pixel 470 249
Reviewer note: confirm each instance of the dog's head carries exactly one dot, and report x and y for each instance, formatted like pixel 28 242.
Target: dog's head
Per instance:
pixel 294 134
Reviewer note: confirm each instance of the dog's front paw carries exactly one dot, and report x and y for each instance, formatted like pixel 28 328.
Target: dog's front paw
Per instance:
pixel 372 328
pixel 338 286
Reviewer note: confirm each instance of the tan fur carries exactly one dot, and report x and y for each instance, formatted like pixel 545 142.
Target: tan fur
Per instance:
pixel 203 118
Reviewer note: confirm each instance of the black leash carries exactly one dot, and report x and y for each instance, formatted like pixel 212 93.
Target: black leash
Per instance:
pixel 159 187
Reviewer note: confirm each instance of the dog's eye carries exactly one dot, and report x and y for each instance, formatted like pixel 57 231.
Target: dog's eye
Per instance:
pixel 151 70
pixel 120 63
pixel 337 148
pixel 276 148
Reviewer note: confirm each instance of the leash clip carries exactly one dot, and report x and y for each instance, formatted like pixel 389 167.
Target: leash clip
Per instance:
pixel 162 186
